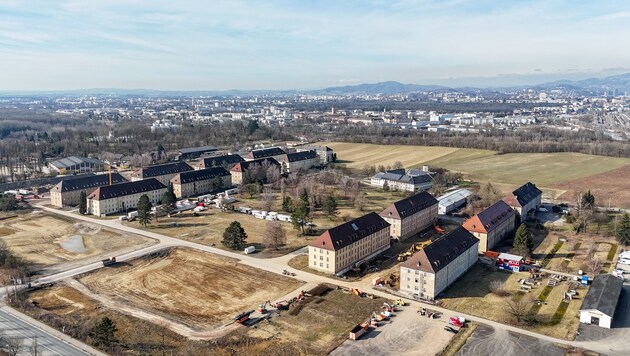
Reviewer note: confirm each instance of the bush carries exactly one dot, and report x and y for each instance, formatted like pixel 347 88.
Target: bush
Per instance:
pixel 498 288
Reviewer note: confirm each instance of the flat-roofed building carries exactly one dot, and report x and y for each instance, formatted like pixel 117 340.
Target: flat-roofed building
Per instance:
pixel 411 215
pixel 111 199
pixel 341 248
pixel 68 191
pixel 162 172
pixel 194 152
pixel 431 270
pixel 241 169
pixel 293 162
pixel 75 164
pixel 225 161
pixel 453 200
pixel 491 225
pixel 600 302
pixel 201 181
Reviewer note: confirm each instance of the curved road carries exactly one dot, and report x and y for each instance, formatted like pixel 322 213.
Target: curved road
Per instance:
pixel 276 265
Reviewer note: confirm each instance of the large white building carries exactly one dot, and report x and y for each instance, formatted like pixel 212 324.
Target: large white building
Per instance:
pixel 111 199
pixel 601 300
pixel 453 200
pixel 343 247
pixel 399 179
pixel 431 270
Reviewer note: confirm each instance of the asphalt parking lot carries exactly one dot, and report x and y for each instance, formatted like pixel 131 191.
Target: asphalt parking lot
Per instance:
pixel 486 340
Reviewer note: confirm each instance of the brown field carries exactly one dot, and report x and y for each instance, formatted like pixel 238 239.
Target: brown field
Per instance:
pixel 611 187
pixel 470 294
pixel 38 238
pixel 193 288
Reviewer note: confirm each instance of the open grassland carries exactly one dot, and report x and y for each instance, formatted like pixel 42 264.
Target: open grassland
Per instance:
pixel 557 173
pixel 193 288
pixel 44 239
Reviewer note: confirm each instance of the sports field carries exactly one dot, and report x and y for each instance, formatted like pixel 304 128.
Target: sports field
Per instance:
pixel 547 170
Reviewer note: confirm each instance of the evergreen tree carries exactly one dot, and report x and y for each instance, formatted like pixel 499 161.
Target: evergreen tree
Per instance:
pixel 234 236
pixel 304 196
pixel 588 200
pixel 623 231
pixel 329 206
pixel 287 204
pixel 104 332
pixel 300 213
pixel 144 210
pixel 523 241
pixel 83 202
pixel 169 199
pixel 8 202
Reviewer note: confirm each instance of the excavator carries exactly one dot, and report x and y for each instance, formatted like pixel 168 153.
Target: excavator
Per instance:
pixel 262 308
pixel 413 248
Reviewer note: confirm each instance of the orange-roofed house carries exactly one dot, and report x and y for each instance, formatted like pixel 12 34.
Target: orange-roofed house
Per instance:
pixel 339 249
pixel 491 225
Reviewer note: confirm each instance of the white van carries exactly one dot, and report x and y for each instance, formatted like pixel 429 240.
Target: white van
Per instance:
pixel 249 249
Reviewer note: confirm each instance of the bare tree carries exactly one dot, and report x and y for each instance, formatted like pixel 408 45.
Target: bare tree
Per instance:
pixel 268 199
pixel 488 195
pixel 518 308
pixel 344 183
pixel 498 288
pixel 398 165
pixel 14 345
pixel 34 348
pixel 274 235
pixel 360 201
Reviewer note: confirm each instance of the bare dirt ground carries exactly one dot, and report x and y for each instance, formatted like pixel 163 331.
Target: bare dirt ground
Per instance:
pixel 43 239
pixel 406 334
pixel 613 186
pixel 486 340
pixel 193 288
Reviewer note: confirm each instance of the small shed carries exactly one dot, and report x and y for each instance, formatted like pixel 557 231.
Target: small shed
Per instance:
pixel 601 300
pixel 509 262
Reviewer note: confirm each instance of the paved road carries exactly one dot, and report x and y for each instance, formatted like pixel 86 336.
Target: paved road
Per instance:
pixel 50 341
pixel 276 265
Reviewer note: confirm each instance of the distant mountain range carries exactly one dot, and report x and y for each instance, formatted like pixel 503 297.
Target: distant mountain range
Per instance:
pixel 619 83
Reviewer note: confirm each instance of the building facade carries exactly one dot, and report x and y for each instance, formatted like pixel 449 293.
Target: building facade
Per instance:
pixel 399 179
pixel 409 216
pixel 194 152
pixel 341 248
pixel 600 302
pixel 162 172
pixel 491 225
pixel 240 170
pixel 431 270
pixel 453 200
pixel 111 199
pixel 293 162
pixel 325 153
pixel 202 181
pixel 76 164
pixel 225 161
pixel 68 191
pixel 525 199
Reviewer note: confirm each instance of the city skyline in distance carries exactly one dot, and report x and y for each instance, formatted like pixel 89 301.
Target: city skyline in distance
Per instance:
pixel 283 45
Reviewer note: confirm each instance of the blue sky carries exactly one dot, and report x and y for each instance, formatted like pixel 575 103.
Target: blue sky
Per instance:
pixel 301 44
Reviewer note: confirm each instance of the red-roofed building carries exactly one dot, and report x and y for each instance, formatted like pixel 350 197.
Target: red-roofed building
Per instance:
pixel 491 225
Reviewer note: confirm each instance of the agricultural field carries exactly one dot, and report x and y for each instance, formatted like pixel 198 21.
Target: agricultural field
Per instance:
pixel 197 290
pixel 44 239
pixel 471 294
pixel 610 187
pixel 556 173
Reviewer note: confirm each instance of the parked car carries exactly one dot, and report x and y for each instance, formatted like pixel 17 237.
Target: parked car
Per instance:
pixel 624 261
pixel 450 329
pixel 542 209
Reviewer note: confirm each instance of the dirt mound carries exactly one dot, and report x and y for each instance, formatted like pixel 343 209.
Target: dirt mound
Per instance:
pixel 84 228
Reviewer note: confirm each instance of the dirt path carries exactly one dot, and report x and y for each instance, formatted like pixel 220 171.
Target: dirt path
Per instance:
pixel 157 319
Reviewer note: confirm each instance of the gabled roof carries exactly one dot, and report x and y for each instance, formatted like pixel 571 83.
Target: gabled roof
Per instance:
pixel 128 188
pixel 265 152
pixel 523 195
pixel 243 166
pixel 199 175
pixel 201 149
pixel 437 255
pixel 399 175
pixel 73 161
pixel 454 196
pixel 409 206
pixel 603 294
pixel 219 161
pixel 161 169
pixel 490 218
pixel 93 181
pixel 350 232
pixel 299 156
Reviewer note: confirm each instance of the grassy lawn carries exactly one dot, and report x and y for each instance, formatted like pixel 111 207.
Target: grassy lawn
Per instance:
pixel 471 294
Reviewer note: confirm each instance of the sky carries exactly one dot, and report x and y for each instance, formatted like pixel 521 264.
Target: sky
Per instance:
pixel 306 44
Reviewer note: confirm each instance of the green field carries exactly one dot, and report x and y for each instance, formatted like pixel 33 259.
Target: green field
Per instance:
pixel 543 169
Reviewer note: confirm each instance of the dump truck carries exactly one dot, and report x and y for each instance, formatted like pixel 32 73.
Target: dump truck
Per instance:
pixel 358 330
pixel 109 261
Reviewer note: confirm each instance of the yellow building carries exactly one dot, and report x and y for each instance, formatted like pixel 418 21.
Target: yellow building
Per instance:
pixel 345 246
pixel 491 225
pixel 162 172
pixel 411 215
pixel 111 199
pixel 201 181
pixel 68 191
pixel 241 169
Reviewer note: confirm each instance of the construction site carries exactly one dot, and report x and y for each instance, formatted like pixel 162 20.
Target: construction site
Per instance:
pixel 43 239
